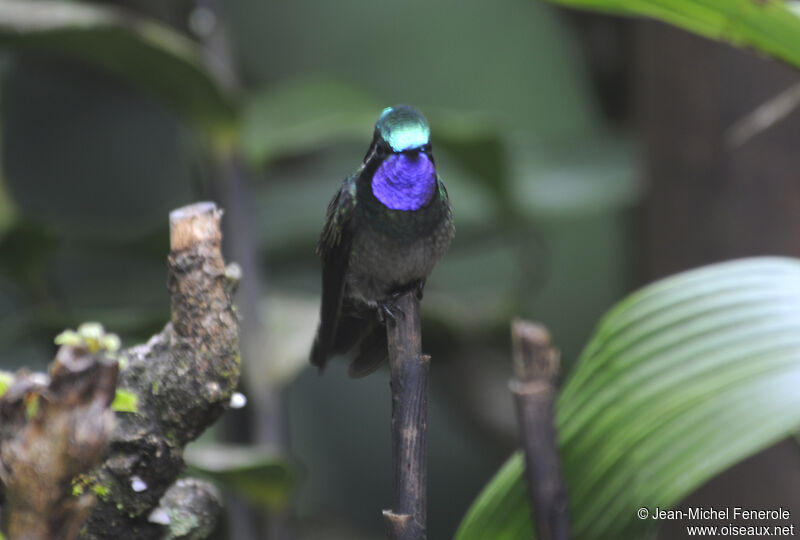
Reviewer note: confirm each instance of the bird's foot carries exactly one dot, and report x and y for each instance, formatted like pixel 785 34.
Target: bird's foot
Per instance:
pixel 387 308
pixel 419 285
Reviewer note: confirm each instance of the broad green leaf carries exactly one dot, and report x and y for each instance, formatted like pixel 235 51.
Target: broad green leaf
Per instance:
pixel 477 143
pixel 501 512
pixel 302 115
pixel 559 181
pixel 259 474
pixel 647 414
pixel 305 114
pixel 511 57
pixel 772 27
pixel 144 52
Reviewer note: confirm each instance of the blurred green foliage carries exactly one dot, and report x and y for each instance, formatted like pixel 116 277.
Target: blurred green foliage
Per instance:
pixel 110 119
pixel 644 418
pixel 260 474
pixel 139 50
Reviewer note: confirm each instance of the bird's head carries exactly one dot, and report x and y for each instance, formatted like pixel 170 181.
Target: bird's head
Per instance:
pixel 400 129
pixel 403 173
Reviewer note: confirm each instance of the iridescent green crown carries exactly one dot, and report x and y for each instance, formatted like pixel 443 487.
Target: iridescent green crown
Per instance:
pixel 403 128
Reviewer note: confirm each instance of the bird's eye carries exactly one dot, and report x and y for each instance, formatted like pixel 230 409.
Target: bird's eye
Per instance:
pixel 384 148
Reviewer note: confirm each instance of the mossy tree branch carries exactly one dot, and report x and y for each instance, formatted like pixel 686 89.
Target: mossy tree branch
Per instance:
pixel 183 379
pixel 64 454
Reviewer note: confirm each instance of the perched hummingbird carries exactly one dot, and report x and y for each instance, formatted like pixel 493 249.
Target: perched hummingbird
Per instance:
pixel 385 230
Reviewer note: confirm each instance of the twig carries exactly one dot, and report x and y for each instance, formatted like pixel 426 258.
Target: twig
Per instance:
pixel 409 381
pixel 535 368
pixel 763 117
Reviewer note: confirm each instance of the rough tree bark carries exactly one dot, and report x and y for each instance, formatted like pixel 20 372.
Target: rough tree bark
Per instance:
pixel 182 380
pixel 183 377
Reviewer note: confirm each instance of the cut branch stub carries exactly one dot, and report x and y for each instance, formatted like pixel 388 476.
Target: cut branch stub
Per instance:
pixel 535 368
pixel 204 343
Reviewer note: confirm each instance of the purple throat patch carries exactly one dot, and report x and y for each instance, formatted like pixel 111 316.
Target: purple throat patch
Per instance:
pixel 404 182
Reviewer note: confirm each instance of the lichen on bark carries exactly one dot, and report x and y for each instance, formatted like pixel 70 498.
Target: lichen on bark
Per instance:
pixel 183 377
pixel 65 454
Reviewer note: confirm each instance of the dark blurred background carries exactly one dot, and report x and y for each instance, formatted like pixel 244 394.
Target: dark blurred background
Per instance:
pixel 584 155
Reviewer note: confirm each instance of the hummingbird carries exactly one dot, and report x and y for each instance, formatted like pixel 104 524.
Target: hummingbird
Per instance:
pixel 385 229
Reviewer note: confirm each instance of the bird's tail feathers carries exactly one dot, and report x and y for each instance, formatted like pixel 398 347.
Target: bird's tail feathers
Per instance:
pixel 372 353
pixel 358 330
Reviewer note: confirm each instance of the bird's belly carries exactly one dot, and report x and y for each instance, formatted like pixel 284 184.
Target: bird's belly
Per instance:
pixel 380 265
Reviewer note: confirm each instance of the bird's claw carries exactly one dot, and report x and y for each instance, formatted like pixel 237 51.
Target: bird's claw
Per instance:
pixel 387 308
pixel 388 311
pixel 419 285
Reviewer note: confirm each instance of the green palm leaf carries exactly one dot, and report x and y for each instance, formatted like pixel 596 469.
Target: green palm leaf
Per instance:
pixel 772 27
pixel 681 380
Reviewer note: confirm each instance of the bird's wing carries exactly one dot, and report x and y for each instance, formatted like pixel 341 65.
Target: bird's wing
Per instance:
pixel 444 196
pixel 334 249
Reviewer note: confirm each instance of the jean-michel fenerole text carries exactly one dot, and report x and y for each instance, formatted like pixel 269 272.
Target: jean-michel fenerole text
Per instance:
pixel 734 513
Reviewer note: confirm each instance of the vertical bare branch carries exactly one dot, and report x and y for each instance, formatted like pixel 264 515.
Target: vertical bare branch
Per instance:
pixel 409 380
pixel 536 365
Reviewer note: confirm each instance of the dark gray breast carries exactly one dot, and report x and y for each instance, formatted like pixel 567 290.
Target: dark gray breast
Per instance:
pixel 393 248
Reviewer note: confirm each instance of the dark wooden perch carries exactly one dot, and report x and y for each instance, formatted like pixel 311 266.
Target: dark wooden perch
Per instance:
pixel 409 381
pixel 536 365
pixel 182 378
